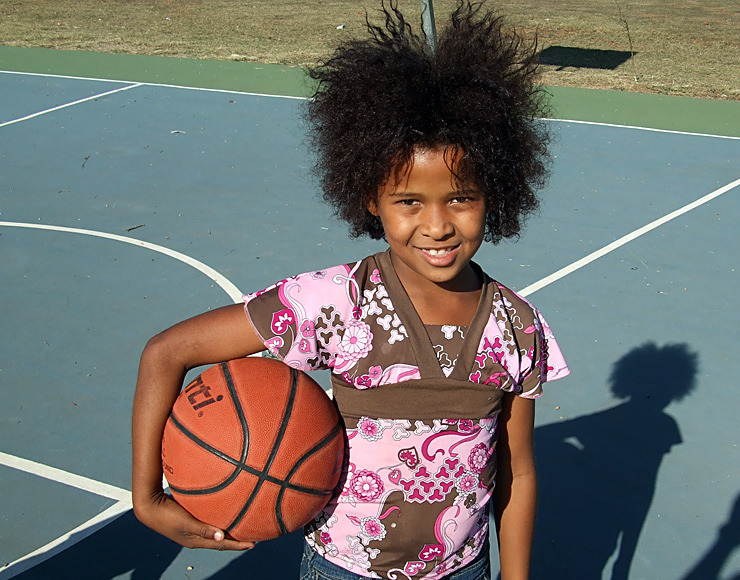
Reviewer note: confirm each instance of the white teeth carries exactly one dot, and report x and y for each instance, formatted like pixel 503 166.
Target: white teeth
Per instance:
pixel 437 252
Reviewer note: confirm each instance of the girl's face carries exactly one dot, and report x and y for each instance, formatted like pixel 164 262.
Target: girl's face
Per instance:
pixel 434 225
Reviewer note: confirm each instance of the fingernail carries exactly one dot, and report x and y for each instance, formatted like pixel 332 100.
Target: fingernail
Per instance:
pixel 218 536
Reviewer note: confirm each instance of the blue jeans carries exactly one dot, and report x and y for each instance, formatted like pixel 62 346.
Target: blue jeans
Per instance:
pixel 316 567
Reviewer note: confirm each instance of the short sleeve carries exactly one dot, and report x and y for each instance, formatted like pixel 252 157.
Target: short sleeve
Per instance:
pixel 300 319
pixel 544 361
pixel 518 352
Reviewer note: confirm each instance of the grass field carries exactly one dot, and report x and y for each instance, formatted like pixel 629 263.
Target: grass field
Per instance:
pixel 677 47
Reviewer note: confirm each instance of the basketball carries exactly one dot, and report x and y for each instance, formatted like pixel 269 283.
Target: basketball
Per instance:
pixel 253 447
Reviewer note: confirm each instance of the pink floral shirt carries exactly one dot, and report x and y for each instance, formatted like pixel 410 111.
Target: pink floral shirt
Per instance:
pixel 413 500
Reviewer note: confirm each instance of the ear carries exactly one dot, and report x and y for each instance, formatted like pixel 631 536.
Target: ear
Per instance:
pixel 372 206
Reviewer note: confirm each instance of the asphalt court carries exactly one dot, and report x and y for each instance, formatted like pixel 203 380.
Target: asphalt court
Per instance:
pixel 127 207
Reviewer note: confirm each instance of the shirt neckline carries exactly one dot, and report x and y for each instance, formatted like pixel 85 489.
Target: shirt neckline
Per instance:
pixel 429 366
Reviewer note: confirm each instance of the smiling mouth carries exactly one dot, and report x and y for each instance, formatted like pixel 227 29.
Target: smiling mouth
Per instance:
pixel 439 252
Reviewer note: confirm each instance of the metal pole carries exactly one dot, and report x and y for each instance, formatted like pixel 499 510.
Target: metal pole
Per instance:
pixel 427 20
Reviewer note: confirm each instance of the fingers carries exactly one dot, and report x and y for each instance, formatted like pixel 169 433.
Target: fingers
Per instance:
pixel 235 545
pixel 215 539
pixel 167 517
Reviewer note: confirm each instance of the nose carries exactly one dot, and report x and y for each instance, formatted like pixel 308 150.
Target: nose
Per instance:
pixel 436 223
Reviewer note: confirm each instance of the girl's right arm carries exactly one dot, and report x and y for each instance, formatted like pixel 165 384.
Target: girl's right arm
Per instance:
pixel 210 338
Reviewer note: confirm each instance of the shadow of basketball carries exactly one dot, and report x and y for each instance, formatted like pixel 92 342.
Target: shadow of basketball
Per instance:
pixel 125 546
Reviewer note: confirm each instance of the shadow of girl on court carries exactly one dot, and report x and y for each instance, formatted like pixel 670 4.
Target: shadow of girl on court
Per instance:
pixel 597 473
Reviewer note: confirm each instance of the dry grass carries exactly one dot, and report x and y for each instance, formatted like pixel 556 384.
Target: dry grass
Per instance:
pixel 686 47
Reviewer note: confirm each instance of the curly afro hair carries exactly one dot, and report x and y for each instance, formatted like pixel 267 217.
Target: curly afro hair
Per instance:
pixel 378 100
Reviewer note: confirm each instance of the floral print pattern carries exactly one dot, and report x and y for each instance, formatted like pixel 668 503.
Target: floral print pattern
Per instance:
pixel 366 486
pixel 478 458
pixel 356 341
pixel 369 429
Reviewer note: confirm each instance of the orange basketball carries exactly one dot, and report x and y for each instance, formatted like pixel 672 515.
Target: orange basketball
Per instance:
pixel 253 447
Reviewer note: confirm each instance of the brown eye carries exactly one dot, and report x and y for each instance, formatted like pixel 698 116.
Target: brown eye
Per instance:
pixel 463 199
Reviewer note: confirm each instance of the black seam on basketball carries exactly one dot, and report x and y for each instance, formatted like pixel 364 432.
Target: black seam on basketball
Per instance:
pixel 279 502
pixel 239 411
pixel 319 446
pixel 273 453
pixel 239 468
pixel 240 464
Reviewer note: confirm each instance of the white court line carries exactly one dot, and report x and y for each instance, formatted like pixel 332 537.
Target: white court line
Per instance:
pixel 27 117
pixel 122 498
pixel 66 478
pixel 63 542
pixel 643 128
pixel 53 76
pixel 598 123
pixel 625 239
pixel 205 89
pixel 218 278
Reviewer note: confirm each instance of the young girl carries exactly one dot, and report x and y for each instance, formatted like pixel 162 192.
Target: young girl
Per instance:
pixel 434 365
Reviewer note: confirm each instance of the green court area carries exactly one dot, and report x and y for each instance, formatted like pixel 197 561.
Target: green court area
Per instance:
pixel 717 117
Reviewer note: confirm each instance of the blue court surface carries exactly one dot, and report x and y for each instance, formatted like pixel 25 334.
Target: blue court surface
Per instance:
pixel 126 207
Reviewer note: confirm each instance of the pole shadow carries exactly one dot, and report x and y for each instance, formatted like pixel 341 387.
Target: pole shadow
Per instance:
pixel 727 541
pixel 597 473
pixel 571 56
